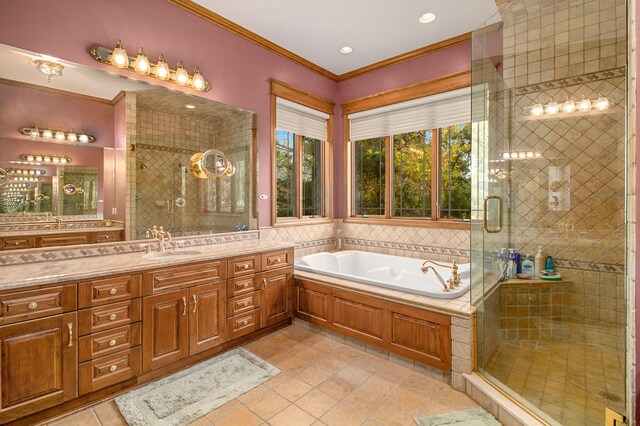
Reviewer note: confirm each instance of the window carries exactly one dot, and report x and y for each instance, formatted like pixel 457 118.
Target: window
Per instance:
pixel 301 150
pixel 412 160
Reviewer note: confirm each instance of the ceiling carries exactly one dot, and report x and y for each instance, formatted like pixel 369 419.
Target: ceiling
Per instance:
pixel 375 29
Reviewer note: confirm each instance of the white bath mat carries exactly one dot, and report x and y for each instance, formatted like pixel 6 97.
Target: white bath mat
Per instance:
pixel 189 394
pixel 477 417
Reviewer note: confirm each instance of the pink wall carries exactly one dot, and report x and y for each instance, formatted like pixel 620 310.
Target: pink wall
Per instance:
pixel 437 64
pixel 237 68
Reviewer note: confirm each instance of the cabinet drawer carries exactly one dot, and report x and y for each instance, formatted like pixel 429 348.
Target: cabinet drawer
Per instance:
pixel 24 305
pixel 108 290
pixel 18 243
pixel 183 276
pixel 108 316
pixel 108 342
pixel 277 259
pixel 243 265
pixel 241 304
pixel 63 240
pixel 108 370
pixel 243 285
pixel 107 237
pixel 240 325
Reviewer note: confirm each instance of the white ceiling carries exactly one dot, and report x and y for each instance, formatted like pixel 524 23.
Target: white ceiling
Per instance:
pixel 375 29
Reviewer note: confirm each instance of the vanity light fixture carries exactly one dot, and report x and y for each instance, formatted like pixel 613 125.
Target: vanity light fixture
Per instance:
pixel 34 133
pixel 25 172
pixel 570 107
pixel 345 50
pixel 39 159
pixel 24 179
pixel 18 185
pixel 427 18
pixel 519 155
pixel 140 64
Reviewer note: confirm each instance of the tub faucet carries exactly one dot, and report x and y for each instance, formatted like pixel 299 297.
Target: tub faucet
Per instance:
pixel 452 282
pixel 58 220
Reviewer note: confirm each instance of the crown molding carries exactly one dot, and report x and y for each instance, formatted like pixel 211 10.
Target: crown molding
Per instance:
pixel 231 26
pixel 31 86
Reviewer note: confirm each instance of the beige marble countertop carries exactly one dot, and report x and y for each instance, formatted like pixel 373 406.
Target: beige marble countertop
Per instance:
pixel 458 307
pixel 55 231
pixel 33 274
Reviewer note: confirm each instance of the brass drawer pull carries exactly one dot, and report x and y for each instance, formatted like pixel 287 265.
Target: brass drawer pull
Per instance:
pixel 278 260
pixel 246 303
pixel 112 317
pixel 184 305
pixel 17 243
pixel 264 284
pixel 33 305
pixel 246 266
pixel 195 303
pixel 113 291
pixel 112 342
pixel 243 322
pixel 245 285
pixel 70 325
pixel 113 368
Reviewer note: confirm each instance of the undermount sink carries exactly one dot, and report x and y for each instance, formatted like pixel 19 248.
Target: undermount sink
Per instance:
pixel 168 255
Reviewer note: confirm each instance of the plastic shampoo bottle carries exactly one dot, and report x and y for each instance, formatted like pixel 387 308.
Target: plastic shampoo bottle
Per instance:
pixel 539 262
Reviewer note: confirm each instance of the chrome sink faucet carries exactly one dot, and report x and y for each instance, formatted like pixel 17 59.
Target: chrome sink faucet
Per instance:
pixel 158 234
pixel 452 282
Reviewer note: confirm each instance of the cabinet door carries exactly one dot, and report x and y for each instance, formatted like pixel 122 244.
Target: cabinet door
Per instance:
pixel 165 333
pixel 207 316
pixel 38 361
pixel 276 296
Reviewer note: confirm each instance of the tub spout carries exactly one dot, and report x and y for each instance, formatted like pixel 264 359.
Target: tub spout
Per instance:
pixel 445 284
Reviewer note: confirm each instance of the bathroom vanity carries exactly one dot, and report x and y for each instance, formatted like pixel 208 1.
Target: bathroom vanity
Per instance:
pixel 76 331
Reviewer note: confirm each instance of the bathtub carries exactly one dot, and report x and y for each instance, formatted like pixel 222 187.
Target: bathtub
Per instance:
pixel 383 270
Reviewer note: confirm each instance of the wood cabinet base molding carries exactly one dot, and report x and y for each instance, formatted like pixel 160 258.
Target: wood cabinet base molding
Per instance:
pixel 415 333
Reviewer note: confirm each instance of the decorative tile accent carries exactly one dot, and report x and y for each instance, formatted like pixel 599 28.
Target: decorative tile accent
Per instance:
pixel 564 82
pixel 88 250
pixel 49 226
pixel 408 247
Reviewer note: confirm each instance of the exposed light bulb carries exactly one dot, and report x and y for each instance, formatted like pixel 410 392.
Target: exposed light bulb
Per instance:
pixel 568 107
pixel 60 135
pixel 47 133
pixel 119 57
pixel 522 155
pixel 38 158
pixel 552 108
pixel 514 155
pixel 63 160
pixel 182 76
pixel 537 110
pixel 34 132
pixel 55 159
pixel 83 137
pixel 162 69
pixel 529 154
pixel 198 82
pixel 30 158
pixel 584 105
pixel 602 103
pixel 505 155
pixel 141 64
pixel 72 137
pixel 46 159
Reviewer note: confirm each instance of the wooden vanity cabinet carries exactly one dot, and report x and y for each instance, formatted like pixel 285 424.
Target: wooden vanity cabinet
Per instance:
pixel 277 296
pixel 61 238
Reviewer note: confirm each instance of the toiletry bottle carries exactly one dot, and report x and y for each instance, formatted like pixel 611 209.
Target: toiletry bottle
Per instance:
pixel 512 269
pixel 539 262
pixel 528 267
pixel 518 264
pixel 549 265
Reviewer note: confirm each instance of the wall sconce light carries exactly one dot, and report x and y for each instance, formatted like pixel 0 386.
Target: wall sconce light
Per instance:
pixel 39 159
pixel 71 189
pixel 569 107
pixel 119 58
pixel 26 172
pixel 71 136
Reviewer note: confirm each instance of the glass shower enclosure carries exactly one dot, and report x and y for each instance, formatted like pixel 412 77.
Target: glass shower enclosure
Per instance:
pixel 549 138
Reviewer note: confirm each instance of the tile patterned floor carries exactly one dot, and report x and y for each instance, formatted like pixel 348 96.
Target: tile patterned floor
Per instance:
pixel 323 382
pixel 570 381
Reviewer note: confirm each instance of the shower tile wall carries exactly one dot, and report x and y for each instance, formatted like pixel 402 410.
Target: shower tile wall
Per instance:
pixel 308 239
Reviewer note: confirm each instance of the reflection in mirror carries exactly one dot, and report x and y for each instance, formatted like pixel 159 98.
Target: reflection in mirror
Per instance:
pixel 134 174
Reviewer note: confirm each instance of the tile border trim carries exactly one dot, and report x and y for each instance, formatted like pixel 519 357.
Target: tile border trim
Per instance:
pixel 408 247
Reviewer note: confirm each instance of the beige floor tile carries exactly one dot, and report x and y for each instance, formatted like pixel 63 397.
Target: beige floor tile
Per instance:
pixel 336 387
pixel 83 418
pixel 409 398
pixel 364 401
pixel 253 393
pixel 293 389
pixel 292 416
pixel 268 405
pixel 354 375
pixel 344 415
pixel 378 385
pixel 314 375
pixel 223 410
pixel 391 414
pixel 316 403
pixel 241 417
pixel 109 414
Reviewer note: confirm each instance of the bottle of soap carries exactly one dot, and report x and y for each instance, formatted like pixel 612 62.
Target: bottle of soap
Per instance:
pixel 539 262
pixel 528 267
pixel 512 268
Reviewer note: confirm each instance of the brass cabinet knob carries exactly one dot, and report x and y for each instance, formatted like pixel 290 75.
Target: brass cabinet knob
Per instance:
pixel 113 368
pixel 245 285
pixel 246 266
pixel 113 291
pixel 16 243
pixel 278 260
pixel 33 305
pixel 112 342
pixel 112 317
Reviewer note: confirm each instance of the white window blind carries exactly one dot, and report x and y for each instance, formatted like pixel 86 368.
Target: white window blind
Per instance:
pixel 301 120
pixel 431 112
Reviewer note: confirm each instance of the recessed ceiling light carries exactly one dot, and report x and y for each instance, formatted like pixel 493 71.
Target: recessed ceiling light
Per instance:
pixel 346 50
pixel 427 18
pixel 190 106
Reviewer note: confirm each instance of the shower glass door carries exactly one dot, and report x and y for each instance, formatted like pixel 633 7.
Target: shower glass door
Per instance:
pixel 548 121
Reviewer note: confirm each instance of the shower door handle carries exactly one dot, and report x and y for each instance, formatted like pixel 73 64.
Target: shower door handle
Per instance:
pixel 485 217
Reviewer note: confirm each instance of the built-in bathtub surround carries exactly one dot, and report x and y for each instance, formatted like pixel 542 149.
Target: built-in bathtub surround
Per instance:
pixel 409 241
pixel 308 239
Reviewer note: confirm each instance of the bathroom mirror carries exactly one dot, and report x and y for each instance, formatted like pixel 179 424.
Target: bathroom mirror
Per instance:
pixel 137 172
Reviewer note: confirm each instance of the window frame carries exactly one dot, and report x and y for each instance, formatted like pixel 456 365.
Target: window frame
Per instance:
pixel 286 91
pixel 419 90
